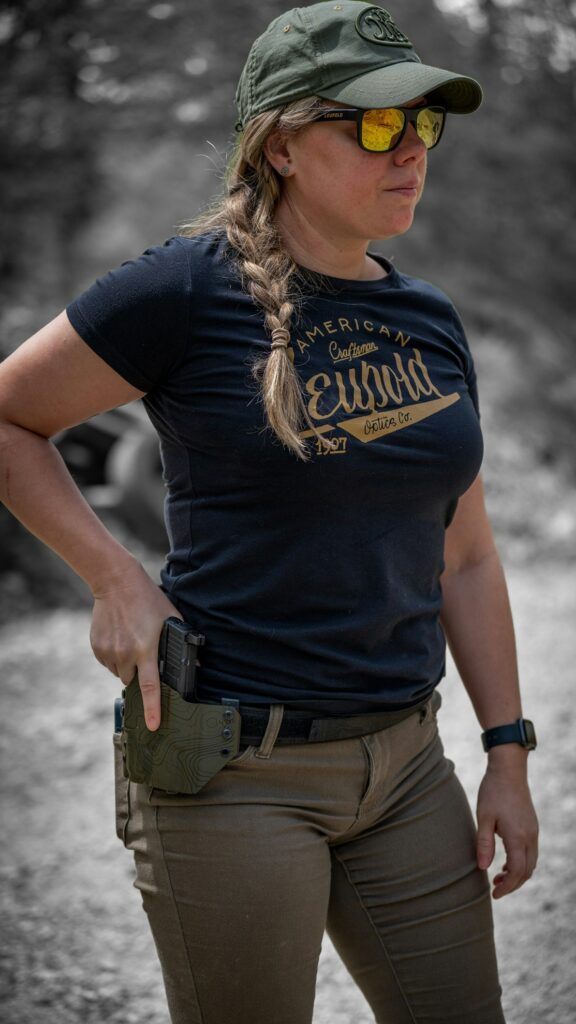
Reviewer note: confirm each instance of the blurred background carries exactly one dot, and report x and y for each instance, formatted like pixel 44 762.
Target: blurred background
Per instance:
pixel 115 123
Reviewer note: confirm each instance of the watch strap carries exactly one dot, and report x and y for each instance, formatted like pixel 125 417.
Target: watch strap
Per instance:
pixel 521 731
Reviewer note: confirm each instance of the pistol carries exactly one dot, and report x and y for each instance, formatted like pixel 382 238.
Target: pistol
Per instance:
pixel 177 656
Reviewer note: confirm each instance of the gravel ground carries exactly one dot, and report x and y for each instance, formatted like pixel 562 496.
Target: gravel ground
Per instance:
pixel 76 946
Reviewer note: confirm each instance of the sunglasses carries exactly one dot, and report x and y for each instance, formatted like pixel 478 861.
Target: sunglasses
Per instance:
pixel 379 131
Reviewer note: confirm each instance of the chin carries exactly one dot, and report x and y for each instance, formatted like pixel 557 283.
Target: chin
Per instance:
pixel 395 226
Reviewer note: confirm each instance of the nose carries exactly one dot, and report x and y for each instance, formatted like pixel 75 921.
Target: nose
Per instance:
pixel 410 148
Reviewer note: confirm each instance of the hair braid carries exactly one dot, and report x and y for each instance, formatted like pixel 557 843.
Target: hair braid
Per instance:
pixel 246 213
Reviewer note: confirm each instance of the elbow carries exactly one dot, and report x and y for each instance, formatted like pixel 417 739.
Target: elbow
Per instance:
pixel 470 561
pixel 14 440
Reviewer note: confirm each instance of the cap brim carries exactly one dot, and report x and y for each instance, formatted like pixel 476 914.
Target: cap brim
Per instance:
pixel 396 84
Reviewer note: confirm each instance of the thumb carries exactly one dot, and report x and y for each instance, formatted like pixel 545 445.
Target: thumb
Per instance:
pixel 485 842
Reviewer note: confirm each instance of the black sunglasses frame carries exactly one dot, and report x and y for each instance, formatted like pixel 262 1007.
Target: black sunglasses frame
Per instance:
pixel 357 113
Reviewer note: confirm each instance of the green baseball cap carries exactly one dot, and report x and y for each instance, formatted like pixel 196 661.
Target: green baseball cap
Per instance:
pixel 351 52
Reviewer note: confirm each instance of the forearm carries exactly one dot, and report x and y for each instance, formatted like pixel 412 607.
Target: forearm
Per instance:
pixel 51 382
pixel 477 620
pixel 478 624
pixel 37 488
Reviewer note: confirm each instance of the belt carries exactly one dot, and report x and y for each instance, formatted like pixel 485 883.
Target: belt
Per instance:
pixel 297 727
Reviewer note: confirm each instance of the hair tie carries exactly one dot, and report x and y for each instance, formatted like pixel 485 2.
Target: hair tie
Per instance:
pixel 280 338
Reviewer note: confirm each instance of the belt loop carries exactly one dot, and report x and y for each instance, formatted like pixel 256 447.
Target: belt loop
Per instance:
pixel 272 729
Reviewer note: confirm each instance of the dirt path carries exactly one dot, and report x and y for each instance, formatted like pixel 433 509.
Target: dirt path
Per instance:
pixel 76 946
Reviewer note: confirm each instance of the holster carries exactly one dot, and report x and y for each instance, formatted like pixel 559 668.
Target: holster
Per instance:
pixel 193 742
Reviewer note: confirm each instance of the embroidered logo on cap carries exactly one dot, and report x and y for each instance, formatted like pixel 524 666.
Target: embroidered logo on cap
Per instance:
pixel 377 26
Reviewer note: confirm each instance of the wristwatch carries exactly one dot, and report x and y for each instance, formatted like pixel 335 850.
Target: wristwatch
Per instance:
pixel 521 731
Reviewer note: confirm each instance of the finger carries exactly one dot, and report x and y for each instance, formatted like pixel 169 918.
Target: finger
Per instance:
pixel 501 876
pixel 485 843
pixel 514 873
pixel 149 681
pixel 505 882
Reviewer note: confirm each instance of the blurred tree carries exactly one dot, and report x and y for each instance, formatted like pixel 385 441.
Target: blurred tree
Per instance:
pixel 523 205
pixel 47 174
pixel 533 36
pixel 81 78
pixel 77 74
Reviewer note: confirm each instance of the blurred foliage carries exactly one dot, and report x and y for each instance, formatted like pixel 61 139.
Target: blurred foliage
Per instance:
pixel 527 36
pixel 521 160
pixel 77 76
pixel 87 86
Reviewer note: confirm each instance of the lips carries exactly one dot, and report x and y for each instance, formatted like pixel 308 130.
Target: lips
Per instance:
pixel 406 186
pixel 410 192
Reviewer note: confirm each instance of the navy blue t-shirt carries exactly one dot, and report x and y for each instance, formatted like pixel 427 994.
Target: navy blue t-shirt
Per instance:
pixel 316 583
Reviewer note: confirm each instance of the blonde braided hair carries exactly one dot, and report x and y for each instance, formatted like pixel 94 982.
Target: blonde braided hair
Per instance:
pixel 270 275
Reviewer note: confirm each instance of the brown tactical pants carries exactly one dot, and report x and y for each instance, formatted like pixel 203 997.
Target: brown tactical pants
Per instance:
pixel 370 838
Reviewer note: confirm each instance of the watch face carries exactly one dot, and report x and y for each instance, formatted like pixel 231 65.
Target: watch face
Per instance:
pixel 529 734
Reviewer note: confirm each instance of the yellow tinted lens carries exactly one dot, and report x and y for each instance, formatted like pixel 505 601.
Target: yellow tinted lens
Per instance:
pixel 381 128
pixel 429 126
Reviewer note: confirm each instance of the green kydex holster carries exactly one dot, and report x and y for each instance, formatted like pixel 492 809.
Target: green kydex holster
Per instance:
pixel 192 744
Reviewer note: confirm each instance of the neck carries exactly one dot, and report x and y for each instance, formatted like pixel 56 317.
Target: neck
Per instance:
pixel 323 253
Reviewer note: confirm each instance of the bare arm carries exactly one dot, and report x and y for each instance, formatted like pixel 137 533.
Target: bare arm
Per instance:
pixel 51 382
pixel 478 624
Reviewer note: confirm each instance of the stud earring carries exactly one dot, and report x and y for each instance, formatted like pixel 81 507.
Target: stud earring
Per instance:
pixel 285 170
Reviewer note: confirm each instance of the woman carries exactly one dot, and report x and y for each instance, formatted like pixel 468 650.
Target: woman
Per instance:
pixel 318 422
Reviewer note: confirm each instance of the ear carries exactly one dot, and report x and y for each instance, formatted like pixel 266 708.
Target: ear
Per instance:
pixel 277 150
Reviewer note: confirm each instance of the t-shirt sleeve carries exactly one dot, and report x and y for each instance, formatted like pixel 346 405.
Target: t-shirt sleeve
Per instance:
pixel 137 316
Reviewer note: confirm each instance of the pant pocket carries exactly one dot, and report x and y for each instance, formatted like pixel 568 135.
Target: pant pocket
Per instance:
pixel 121 790
pixel 241 758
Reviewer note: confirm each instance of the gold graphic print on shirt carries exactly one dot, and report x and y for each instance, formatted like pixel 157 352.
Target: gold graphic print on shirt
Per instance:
pixel 367 399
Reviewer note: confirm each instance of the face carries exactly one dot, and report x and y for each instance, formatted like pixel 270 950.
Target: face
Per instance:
pixel 353 194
